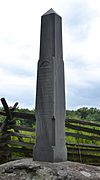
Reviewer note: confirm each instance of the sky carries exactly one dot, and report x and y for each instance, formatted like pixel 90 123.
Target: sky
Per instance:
pixel 20 22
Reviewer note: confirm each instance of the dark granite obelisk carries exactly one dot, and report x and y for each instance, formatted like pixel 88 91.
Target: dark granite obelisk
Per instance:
pixel 50 94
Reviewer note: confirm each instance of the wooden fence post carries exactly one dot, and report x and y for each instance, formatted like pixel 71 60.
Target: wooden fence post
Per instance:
pixel 8 120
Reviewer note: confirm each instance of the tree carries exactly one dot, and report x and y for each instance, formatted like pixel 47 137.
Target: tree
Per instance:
pixel 83 112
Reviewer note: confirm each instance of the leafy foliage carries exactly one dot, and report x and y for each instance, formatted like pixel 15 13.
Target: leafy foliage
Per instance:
pixel 92 114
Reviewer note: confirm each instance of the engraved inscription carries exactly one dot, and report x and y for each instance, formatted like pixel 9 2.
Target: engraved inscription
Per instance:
pixel 46 81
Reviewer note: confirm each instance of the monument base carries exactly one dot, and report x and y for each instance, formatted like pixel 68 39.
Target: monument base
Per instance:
pixel 52 154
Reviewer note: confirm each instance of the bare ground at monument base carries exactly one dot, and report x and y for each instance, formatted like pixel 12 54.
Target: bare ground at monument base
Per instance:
pixel 27 169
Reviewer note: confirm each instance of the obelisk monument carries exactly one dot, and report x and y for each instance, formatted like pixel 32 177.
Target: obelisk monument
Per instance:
pixel 50 93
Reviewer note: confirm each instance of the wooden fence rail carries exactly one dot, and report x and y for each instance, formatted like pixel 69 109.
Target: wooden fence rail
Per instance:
pixel 83 122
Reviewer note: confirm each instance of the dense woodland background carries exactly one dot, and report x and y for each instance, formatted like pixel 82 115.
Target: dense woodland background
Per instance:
pixel 91 114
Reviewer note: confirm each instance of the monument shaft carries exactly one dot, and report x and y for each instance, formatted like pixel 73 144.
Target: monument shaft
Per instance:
pixel 50 94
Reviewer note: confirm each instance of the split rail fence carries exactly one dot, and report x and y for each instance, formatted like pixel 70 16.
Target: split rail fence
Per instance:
pixel 16 141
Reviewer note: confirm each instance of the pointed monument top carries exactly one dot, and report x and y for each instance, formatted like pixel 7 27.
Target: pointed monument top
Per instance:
pixel 50 11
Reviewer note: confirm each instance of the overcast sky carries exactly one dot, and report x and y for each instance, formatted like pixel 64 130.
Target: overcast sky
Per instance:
pixel 19 50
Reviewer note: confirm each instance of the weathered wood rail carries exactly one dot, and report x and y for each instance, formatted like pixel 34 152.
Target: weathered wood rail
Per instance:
pixel 16 141
pixel 85 143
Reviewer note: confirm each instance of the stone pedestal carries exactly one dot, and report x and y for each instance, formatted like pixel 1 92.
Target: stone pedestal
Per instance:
pixel 50 94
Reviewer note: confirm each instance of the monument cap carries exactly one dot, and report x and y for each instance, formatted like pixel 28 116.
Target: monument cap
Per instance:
pixel 50 11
